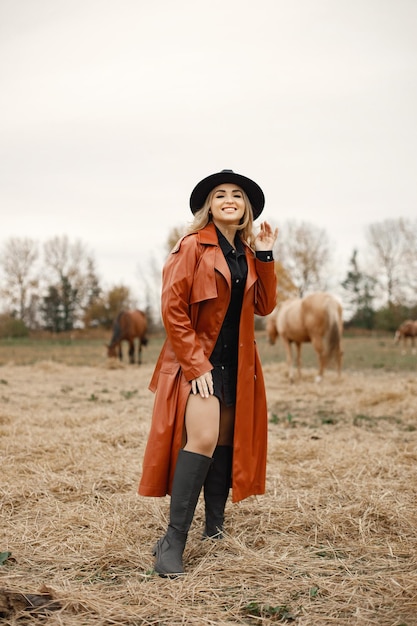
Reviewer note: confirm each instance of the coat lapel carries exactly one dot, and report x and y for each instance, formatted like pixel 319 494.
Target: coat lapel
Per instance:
pixel 212 258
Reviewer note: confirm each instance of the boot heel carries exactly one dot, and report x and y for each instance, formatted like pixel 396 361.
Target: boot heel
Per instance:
pixel 168 553
pixel 155 548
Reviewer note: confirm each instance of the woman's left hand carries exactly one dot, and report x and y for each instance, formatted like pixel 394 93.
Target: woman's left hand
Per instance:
pixel 203 385
pixel 266 238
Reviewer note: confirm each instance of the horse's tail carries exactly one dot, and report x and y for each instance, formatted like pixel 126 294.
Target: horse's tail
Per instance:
pixel 271 326
pixel 333 335
pixel 143 328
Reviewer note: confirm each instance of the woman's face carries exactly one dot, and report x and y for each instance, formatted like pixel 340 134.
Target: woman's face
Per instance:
pixel 227 205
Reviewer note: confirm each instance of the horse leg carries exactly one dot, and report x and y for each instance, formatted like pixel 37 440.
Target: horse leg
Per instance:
pixel 140 352
pixel 120 352
pixel 298 345
pixel 321 358
pixel 131 352
pixel 339 361
pixel 288 353
pixel 322 363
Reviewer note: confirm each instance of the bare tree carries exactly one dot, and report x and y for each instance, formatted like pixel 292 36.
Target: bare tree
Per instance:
pixel 392 257
pixel 151 277
pixel 151 282
pixel 304 251
pixel 103 310
pixel 359 289
pixel 63 258
pixel 173 236
pixel 409 233
pixel 71 270
pixel 285 287
pixel 18 259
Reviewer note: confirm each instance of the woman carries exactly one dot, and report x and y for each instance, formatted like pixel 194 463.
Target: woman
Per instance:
pixel 209 424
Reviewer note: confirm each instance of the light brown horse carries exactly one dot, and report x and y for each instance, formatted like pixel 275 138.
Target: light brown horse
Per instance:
pixel 128 326
pixel 407 330
pixel 316 318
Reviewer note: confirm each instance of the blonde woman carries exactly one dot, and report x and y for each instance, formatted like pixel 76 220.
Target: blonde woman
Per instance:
pixel 209 423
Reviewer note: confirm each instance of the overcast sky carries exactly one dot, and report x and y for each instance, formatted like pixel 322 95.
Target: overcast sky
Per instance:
pixel 112 110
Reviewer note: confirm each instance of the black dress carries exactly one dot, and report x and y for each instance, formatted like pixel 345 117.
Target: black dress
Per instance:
pixel 225 353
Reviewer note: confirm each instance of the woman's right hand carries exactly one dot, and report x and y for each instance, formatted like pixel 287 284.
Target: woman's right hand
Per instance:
pixel 203 385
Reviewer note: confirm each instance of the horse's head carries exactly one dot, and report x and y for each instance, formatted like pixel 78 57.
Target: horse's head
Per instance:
pixel 111 350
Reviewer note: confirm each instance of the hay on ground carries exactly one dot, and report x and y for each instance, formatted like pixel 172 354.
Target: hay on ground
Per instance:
pixel 333 540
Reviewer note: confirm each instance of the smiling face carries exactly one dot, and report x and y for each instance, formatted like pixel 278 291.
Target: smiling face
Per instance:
pixel 227 205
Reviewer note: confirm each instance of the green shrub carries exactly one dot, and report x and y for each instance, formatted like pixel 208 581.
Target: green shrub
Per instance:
pixel 11 328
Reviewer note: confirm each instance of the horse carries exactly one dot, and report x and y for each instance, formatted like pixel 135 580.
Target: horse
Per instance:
pixel 407 329
pixel 128 326
pixel 315 318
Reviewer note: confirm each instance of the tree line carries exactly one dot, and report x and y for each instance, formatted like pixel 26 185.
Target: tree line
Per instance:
pixel 379 289
pixel 56 286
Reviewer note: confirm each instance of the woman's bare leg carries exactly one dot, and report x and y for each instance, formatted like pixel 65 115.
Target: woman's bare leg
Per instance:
pixel 202 424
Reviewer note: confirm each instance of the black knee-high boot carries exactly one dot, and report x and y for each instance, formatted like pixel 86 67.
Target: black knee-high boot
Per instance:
pixel 190 473
pixel 216 491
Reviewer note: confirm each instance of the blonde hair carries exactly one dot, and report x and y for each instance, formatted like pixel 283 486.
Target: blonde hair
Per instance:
pixel 203 216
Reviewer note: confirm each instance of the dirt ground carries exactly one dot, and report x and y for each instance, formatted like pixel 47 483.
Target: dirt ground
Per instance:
pixel 333 540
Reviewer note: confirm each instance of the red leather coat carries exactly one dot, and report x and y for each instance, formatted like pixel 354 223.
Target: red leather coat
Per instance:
pixel 196 293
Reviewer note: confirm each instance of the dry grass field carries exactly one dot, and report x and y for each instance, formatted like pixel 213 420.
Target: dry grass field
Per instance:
pixel 332 542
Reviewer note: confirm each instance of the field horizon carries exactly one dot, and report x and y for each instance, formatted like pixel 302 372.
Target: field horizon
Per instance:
pixel 361 350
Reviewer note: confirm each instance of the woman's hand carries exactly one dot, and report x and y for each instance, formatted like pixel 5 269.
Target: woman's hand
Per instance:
pixel 266 238
pixel 203 385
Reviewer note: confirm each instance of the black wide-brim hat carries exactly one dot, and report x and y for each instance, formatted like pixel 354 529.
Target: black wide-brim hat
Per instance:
pixel 252 190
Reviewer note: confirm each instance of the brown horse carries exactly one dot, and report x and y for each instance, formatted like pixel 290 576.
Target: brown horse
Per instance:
pixel 128 326
pixel 316 318
pixel 407 330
